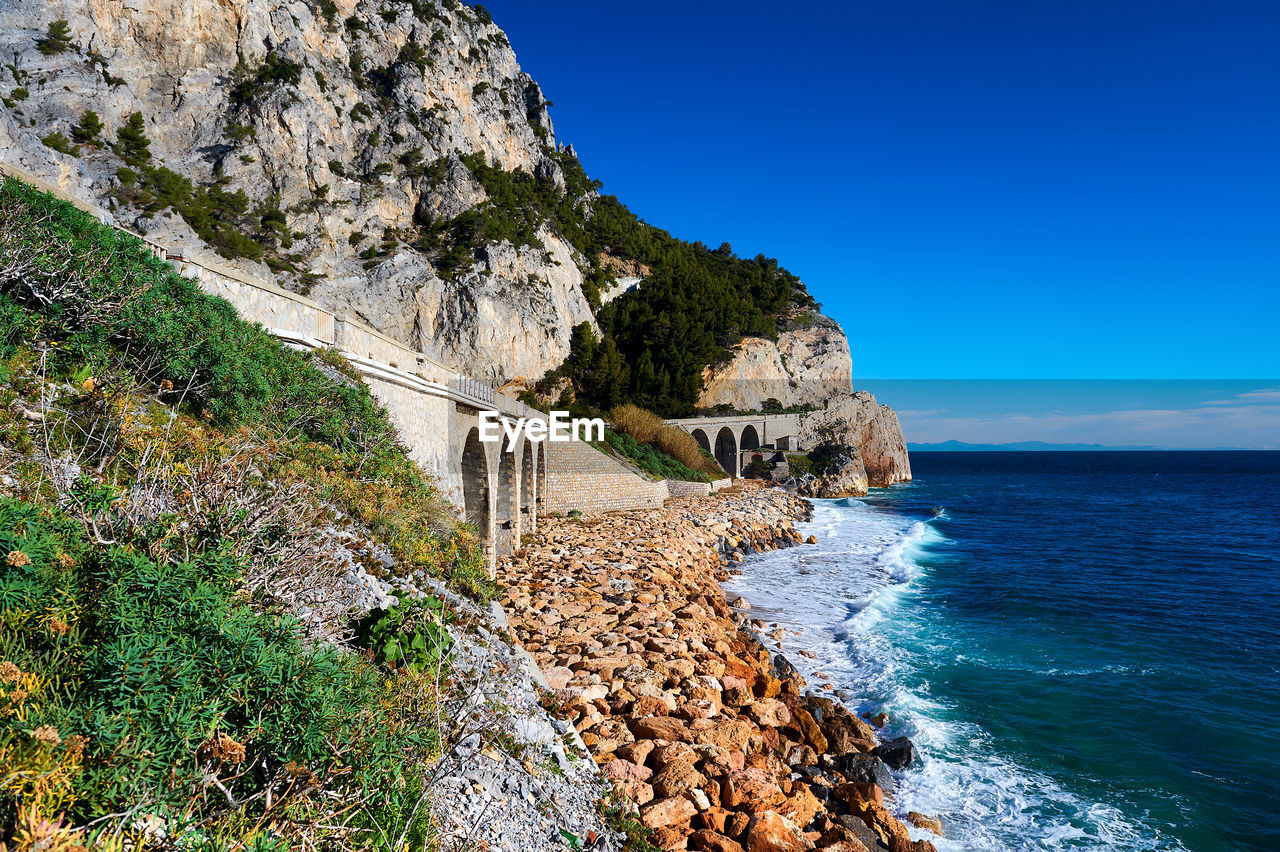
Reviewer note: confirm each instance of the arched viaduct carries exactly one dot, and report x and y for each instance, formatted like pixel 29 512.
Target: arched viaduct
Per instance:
pixel 731 438
pixel 435 408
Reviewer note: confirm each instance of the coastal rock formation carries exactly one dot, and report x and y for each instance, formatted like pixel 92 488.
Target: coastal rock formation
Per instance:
pixel 839 473
pixel 872 428
pixel 716 742
pixel 332 117
pixel 804 366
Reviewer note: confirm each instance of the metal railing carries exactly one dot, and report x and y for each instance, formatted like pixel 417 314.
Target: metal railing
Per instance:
pixel 473 388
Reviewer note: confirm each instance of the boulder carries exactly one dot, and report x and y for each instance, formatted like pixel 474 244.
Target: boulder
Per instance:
pixel 750 789
pixel 928 823
pixel 663 813
pixel 769 712
pixel 897 753
pixel 677 777
pixel 711 841
pixel 660 728
pixel 866 769
pixel 769 831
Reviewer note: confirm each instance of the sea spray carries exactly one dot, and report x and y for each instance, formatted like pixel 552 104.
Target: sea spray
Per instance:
pixel 852 606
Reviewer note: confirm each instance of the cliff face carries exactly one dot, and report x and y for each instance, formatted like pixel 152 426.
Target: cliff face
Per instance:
pixel 334 115
pixel 812 365
pixel 336 132
pixel 872 428
pixel 804 366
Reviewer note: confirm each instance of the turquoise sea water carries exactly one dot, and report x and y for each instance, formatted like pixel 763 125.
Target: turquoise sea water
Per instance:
pixel 1085 646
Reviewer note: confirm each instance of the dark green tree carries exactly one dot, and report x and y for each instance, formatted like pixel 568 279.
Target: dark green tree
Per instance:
pixel 606 382
pixel 57 39
pixel 132 143
pixel 88 130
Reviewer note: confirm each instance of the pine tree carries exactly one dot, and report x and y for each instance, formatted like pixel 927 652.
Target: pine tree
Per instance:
pixel 132 143
pixel 88 130
pixel 57 39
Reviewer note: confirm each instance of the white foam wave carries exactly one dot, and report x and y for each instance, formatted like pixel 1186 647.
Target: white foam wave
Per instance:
pixel 841 596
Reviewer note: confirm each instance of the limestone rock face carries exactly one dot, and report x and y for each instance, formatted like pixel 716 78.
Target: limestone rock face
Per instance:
pixel 805 366
pixel 872 428
pixel 843 473
pixel 377 90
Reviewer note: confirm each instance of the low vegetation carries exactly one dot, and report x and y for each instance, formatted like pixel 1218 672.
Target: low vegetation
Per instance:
pixel 675 449
pixel 174 487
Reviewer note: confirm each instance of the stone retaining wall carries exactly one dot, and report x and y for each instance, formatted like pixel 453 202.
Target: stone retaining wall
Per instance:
pixel 581 477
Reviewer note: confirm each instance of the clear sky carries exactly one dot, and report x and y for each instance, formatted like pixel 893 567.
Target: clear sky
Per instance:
pixel 974 189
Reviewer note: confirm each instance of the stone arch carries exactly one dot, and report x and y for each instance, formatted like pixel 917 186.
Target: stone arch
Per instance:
pixel 528 485
pixel 727 450
pixel 475 483
pixel 543 460
pixel 702 439
pixel 750 438
pixel 506 510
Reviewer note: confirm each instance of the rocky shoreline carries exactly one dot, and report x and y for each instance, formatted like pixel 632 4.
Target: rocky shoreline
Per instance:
pixel 711 738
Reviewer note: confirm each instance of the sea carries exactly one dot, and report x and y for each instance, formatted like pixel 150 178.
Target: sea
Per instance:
pixel 1084 646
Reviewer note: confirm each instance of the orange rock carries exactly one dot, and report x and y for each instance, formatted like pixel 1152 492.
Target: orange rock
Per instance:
pixel 712 841
pixel 801 806
pixel 736 824
pixel 648 706
pixel 810 729
pixel 928 823
pixel 662 813
pixel 677 777
pixel 660 728
pixel 671 838
pixel 750 789
pixel 637 751
pixel 770 832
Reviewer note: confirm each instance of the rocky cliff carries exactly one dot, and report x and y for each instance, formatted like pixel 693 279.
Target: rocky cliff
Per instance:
pixel 328 112
pixel 871 427
pixel 803 366
pixel 388 159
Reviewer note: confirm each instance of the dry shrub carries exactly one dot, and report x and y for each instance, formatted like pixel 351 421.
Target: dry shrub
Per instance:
pixel 682 446
pixel 635 421
pixel 648 428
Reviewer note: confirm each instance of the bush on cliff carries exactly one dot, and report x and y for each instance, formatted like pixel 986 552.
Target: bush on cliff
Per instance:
pixel 173 487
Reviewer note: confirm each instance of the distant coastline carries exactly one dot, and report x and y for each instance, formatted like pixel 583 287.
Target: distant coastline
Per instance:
pixel 1042 446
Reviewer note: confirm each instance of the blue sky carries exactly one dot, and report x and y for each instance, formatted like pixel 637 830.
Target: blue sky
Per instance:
pixel 982 189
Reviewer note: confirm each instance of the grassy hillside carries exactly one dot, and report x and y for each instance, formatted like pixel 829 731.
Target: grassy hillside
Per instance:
pixel 181 500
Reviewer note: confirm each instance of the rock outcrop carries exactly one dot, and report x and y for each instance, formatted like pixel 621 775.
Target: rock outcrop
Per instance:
pixel 872 428
pixel 839 472
pixel 335 115
pixel 804 366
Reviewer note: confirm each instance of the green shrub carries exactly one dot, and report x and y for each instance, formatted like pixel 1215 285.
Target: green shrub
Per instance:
pixel 58 142
pixel 411 635
pixel 57 39
pixel 147 676
pixel 274 73
pixel 88 130
pixel 132 144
